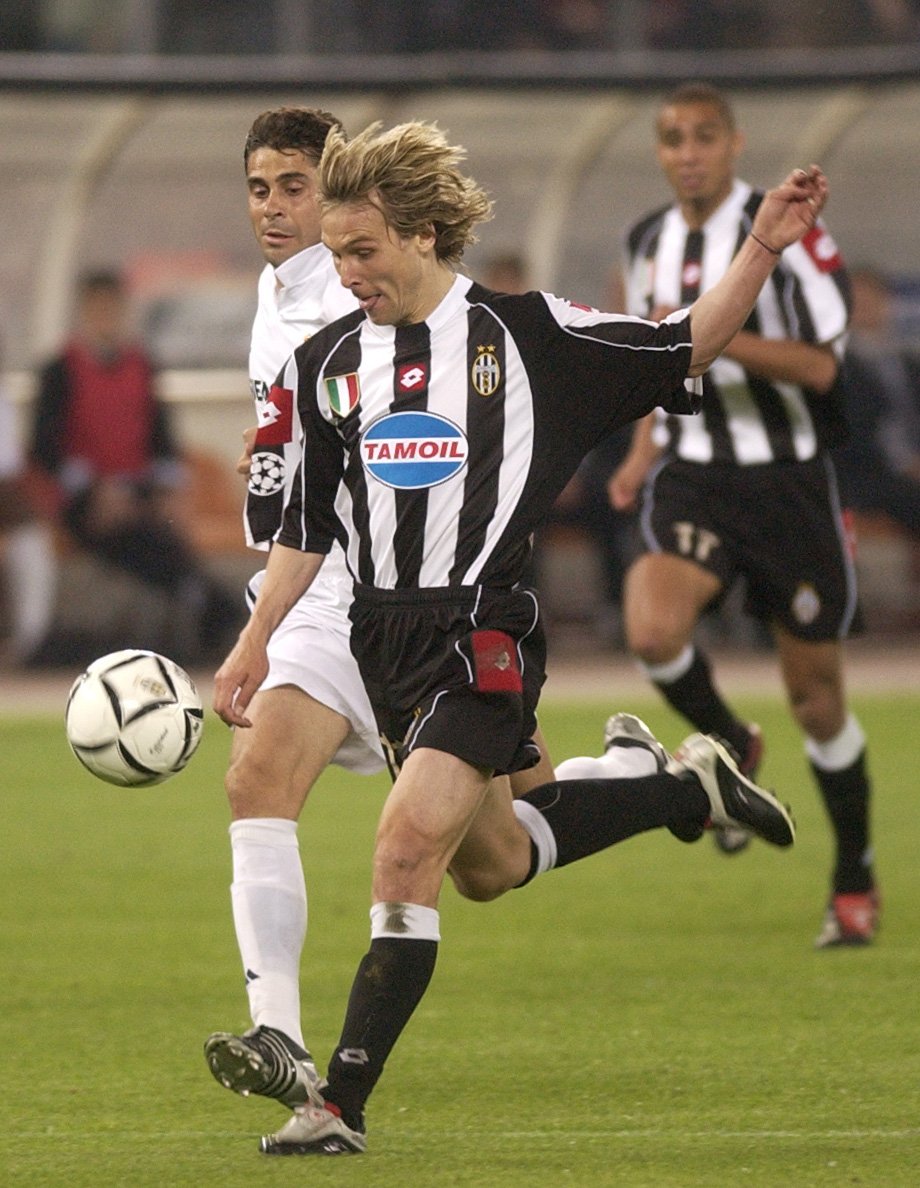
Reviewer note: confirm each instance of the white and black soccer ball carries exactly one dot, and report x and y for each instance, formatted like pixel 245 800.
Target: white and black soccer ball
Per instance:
pixel 134 718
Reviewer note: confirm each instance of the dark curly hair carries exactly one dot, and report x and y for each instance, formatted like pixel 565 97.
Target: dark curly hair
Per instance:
pixel 285 128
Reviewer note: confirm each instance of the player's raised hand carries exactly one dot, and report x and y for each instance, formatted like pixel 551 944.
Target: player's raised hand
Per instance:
pixel 791 209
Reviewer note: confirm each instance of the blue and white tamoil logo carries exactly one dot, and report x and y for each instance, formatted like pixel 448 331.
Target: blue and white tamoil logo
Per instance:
pixel 412 450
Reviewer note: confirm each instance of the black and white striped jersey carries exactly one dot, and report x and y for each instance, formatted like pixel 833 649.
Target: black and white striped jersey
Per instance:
pixel 435 449
pixel 746 419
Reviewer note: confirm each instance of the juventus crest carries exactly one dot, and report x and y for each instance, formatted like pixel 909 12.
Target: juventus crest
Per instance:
pixel 485 374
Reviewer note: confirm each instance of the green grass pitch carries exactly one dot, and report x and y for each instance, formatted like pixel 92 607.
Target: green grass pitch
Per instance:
pixel 655 1015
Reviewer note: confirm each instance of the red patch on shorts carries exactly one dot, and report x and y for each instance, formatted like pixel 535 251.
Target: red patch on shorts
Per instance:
pixel 495 663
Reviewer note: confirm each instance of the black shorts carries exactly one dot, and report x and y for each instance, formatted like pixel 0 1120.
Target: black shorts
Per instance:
pixel 459 670
pixel 777 526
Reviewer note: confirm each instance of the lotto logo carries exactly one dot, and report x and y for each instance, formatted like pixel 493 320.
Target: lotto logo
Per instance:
pixel 411 377
pixel 413 450
pixel 276 417
pixel 823 250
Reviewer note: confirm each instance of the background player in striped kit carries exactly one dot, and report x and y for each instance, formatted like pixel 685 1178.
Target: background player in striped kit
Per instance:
pixel 747 489
pixel 312 709
pixel 448 642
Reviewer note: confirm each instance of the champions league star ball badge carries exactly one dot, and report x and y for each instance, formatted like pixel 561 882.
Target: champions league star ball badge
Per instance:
pixel 266 473
pixel 413 450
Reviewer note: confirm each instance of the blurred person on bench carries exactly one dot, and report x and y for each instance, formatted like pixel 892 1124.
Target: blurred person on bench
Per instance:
pixel 103 435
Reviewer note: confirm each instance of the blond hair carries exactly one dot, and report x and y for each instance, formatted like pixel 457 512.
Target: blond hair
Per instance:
pixel 411 174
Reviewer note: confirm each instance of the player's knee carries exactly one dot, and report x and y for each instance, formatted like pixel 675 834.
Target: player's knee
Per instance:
pixel 241 793
pixel 653 644
pixel 408 864
pixel 820 713
pixel 480 886
pixel 253 789
pixel 650 637
pixel 819 704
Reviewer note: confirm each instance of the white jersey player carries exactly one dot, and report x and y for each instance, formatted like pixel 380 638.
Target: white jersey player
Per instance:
pixel 312 709
pixel 297 298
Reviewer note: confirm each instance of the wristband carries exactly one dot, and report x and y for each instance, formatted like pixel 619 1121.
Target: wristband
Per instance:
pixel 765 246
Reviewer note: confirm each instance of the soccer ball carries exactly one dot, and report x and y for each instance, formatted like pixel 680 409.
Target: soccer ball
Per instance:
pixel 134 718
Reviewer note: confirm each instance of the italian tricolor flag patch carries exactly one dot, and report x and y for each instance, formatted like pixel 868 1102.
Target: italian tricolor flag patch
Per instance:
pixel 344 393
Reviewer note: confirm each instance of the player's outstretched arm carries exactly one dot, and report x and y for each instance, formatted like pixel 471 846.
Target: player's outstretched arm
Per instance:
pixel 786 214
pixel 288 575
pixel 625 483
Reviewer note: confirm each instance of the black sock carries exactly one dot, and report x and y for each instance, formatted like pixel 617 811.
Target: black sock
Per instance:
pixel 695 697
pixel 846 798
pixel 586 816
pixel 391 979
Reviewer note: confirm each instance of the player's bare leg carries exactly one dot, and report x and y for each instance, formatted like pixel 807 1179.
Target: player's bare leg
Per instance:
pixel 494 856
pixel 813 676
pixel 275 763
pixel 427 812
pixel 663 599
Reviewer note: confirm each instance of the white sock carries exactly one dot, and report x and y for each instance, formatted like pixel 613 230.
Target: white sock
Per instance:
pixel 671 670
pixel 841 752
pixel 409 921
pixel 31 572
pixel 540 834
pixel 615 764
pixel 269 899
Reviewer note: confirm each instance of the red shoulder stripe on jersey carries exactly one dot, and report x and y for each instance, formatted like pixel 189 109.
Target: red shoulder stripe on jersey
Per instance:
pixel 820 245
pixel 276 418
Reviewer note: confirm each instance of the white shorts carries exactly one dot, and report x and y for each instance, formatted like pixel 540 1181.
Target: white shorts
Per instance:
pixel 310 650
